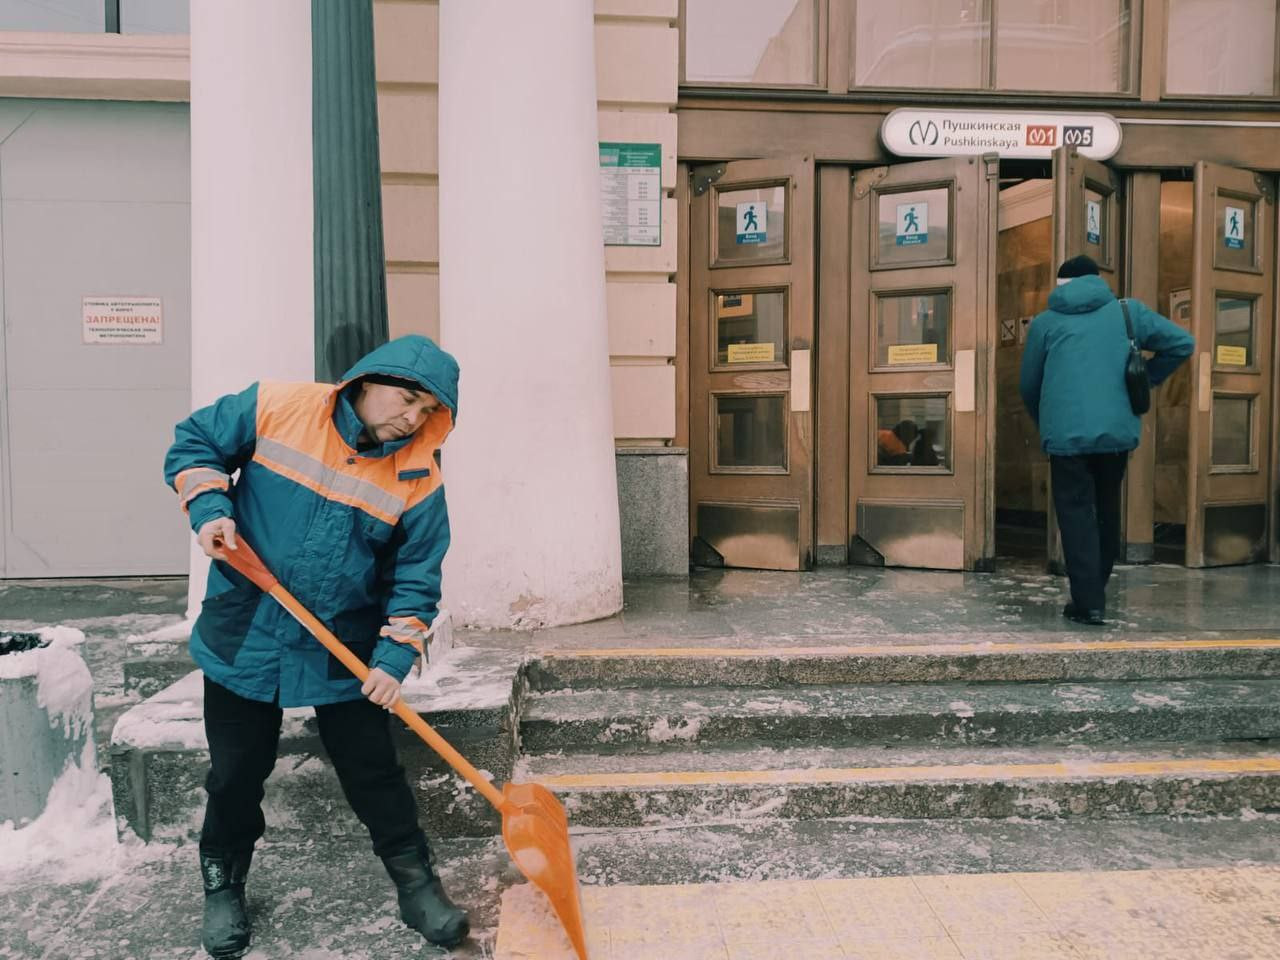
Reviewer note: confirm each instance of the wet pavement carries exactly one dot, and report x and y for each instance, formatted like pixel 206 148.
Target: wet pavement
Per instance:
pixel 747 607
pixel 327 897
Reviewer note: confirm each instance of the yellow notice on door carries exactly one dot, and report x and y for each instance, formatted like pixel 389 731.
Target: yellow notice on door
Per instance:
pixel 751 353
pixel 913 353
pixel 1233 357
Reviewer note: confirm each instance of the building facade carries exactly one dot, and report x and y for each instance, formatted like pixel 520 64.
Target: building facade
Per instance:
pixel 812 360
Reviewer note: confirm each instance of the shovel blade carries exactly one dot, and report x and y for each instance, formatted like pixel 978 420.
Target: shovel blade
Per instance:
pixel 537 837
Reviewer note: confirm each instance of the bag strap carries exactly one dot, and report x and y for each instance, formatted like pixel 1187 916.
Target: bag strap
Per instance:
pixel 1128 324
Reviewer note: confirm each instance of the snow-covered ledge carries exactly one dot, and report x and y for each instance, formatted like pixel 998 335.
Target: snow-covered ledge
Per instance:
pixel 95 66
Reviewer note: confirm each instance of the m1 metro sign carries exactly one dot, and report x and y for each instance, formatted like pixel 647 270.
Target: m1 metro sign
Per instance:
pixel 1030 134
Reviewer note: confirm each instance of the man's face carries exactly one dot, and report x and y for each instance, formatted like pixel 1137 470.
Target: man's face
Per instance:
pixel 393 413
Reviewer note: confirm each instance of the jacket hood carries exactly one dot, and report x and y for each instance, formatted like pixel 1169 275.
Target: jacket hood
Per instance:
pixel 1082 295
pixel 413 358
pixel 418 359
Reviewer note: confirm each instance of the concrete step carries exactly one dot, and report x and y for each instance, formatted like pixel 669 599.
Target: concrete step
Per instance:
pixel 159 756
pixel 707 785
pixel 146 676
pixel 906 660
pixel 818 849
pixel 985 713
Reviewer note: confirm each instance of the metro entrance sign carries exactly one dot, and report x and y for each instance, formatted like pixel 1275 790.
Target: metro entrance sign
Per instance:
pixel 1030 134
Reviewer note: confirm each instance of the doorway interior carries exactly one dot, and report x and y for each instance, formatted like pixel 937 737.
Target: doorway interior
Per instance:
pixel 1024 279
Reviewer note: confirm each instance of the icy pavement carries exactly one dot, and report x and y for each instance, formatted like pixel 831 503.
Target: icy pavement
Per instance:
pixel 725 608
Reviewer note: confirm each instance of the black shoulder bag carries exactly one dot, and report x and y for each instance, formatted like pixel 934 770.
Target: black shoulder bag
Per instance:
pixel 1135 370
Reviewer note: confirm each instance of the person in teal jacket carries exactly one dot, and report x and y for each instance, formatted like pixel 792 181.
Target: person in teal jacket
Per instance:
pixel 340 492
pixel 1074 388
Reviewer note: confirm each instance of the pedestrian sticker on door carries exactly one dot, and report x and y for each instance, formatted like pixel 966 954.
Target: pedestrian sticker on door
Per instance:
pixel 753 222
pixel 1093 222
pixel 1233 227
pixel 913 224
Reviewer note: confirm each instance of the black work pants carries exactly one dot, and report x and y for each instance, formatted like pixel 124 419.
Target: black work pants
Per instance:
pixel 1086 496
pixel 243 737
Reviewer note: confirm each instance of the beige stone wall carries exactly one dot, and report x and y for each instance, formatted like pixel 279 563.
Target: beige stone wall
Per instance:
pixel 405 40
pixel 637 64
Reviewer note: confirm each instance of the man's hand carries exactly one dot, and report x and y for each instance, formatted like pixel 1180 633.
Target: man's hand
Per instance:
pixel 381 688
pixel 223 531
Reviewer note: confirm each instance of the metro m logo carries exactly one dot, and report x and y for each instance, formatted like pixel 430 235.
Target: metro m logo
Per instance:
pixel 1077 136
pixel 1042 135
pixel 923 134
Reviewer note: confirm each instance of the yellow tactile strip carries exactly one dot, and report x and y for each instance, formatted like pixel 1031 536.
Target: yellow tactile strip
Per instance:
pixel 1225 914
pixel 909 649
pixel 1193 767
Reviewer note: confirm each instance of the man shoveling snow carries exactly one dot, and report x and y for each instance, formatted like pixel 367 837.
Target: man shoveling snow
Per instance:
pixel 340 493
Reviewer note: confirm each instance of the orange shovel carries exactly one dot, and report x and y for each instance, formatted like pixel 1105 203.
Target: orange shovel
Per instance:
pixel 534 825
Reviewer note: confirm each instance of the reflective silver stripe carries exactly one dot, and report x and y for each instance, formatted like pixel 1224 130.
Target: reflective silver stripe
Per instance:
pixel 331 479
pixel 406 633
pixel 196 480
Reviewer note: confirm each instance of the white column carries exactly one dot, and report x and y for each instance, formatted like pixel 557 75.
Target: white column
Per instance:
pixel 529 471
pixel 252 291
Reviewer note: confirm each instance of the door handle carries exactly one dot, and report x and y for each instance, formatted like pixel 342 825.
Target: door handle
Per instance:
pixel 1204 391
pixel 800 381
pixel 966 373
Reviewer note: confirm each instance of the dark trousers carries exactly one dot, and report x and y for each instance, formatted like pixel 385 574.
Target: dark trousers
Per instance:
pixel 1086 496
pixel 243 737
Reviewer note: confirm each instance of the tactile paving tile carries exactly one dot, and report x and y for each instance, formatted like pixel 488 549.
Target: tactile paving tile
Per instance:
pixel 1226 913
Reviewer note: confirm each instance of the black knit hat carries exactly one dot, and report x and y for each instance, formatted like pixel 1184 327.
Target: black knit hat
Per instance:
pixel 387 380
pixel 1080 266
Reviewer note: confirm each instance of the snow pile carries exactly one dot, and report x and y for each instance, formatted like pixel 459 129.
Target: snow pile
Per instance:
pixel 171 633
pixel 75 838
pixel 75 834
pixel 172 718
pixel 64 685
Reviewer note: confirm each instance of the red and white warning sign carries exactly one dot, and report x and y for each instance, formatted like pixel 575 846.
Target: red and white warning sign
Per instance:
pixel 123 320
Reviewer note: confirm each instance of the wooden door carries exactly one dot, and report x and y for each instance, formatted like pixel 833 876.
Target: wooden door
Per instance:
pixel 1231 489
pixel 751 356
pixel 922 364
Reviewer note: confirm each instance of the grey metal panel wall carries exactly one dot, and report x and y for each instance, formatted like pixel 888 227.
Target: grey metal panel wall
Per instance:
pixel 94 201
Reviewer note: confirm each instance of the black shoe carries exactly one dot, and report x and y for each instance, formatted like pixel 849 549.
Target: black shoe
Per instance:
pixel 1093 618
pixel 226 925
pixel 424 905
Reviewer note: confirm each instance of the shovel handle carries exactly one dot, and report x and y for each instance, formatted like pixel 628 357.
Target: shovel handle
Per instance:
pixel 248 563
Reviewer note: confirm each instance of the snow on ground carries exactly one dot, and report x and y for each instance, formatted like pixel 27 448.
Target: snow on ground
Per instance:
pixel 169 633
pixel 74 840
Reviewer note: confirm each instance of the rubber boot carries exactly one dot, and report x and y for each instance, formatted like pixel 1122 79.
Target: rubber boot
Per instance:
pixel 424 905
pixel 226 924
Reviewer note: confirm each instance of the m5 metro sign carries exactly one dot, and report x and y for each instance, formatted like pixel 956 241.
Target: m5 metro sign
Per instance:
pixel 1031 134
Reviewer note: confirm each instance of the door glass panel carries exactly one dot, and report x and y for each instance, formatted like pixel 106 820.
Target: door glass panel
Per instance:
pixel 914 227
pixel 1214 53
pixel 1233 332
pixel 751 225
pixel 920 44
pixel 912 328
pixel 771 41
pixel 1232 431
pixel 751 327
pixel 1081 46
pixel 1233 233
pixel 912 433
pixel 155 16
pixel 64 16
pixel 751 433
